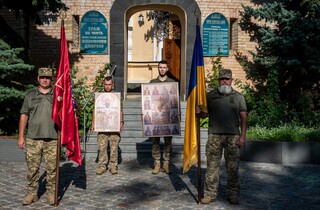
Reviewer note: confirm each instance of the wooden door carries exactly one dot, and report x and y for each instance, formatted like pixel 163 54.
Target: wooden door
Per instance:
pixel 171 53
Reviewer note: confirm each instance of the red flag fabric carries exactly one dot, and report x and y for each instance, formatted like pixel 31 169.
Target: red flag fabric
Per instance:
pixel 63 110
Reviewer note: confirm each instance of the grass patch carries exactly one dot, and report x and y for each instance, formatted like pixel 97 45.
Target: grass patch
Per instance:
pixel 285 133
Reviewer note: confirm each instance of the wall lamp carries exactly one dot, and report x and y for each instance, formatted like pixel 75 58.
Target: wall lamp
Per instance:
pixel 140 20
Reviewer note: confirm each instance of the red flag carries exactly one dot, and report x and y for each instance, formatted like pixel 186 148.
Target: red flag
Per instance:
pixel 63 110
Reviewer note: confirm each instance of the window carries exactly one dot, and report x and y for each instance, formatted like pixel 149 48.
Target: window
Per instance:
pixel 233 40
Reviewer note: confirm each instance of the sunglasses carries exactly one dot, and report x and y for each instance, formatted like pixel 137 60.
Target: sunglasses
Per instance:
pixel 224 78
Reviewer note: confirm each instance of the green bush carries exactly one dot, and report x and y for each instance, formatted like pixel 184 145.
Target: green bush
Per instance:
pixel 83 100
pixel 84 95
pixel 284 133
pixel 212 81
pixel 16 79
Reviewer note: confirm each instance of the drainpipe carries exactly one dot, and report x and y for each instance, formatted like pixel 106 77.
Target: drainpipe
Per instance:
pixel 155 40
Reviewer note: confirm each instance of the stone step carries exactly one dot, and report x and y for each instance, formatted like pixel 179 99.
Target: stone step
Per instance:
pixel 141 144
pixel 132 139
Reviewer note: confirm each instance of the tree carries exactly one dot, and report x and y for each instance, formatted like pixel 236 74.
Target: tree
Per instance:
pixel 30 8
pixel 29 11
pixel 161 23
pixel 14 78
pixel 286 67
pixel 12 88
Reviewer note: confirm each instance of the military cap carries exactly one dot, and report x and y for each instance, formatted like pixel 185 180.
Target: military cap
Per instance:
pixel 45 72
pixel 225 73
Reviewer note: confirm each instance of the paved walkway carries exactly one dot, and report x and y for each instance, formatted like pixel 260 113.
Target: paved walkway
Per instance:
pixel 263 186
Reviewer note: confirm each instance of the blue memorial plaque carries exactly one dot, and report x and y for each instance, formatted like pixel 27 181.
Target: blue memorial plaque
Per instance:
pixel 94 33
pixel 215 35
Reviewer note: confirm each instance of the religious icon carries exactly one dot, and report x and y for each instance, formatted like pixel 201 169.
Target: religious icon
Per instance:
pixel 107 111
pixel 160 109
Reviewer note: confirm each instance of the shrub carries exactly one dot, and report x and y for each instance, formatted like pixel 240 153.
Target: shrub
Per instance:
pixel 84 95
pixel 15 82
pixel 212 82
pixel 287 133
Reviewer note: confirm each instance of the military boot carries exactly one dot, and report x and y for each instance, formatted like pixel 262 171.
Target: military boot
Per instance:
pixel 30 199
pixel 50 199
pixel 113 171
pixel 234 200
pixel 100 171
pixel 166 167
pixel 156 168
pixel 207 200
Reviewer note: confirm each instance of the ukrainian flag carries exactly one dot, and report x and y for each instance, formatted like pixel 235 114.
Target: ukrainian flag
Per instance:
pixel 196 97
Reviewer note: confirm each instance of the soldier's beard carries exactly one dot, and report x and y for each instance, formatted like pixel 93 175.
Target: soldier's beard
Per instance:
pixel 225 89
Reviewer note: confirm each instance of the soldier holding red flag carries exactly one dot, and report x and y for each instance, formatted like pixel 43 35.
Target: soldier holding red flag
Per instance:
pixel 41 137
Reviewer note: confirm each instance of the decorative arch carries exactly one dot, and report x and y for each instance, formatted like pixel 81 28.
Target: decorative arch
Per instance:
pixel 120 13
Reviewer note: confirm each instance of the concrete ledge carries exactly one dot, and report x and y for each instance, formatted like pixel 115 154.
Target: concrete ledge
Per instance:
pixel 281 152
pixel 9 151
pixel 300 152
pixel 255 151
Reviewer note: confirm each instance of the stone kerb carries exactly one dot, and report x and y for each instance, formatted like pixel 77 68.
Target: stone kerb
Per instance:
pixel 281 152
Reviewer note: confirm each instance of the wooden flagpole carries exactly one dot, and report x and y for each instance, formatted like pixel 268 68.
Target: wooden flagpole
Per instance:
pixel 63 16
pixel 199 159
pixel 57 170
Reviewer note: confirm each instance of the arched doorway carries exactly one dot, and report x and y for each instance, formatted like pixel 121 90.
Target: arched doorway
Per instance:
pixel 153 35
pixel 120 13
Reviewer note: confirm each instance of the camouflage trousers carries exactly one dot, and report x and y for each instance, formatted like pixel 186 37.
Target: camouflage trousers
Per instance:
pixel 216 145
pixel 35 149
pixel 166 151
pixel 114 140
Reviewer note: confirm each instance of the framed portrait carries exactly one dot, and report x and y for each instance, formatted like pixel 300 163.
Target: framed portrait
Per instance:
pixel 107 112
pixel 160 109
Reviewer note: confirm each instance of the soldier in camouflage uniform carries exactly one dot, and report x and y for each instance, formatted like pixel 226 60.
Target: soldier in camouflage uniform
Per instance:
pixel 227 112
pixel 113 138
pixel 41 137
pixel 163 77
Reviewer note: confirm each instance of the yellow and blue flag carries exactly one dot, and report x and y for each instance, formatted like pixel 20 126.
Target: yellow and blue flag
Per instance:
pixel 196 97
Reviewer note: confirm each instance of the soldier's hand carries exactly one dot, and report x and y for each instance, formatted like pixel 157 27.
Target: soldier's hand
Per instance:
pixel 241 142
pixel 198 109
pixel 21 142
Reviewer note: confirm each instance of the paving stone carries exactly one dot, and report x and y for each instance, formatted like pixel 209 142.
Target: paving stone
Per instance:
pixel 263 186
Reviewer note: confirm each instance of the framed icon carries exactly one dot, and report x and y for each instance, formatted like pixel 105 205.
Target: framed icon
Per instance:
pixel 160 109
pixel 107 112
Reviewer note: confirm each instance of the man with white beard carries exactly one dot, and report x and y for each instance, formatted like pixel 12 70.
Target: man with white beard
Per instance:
pixel 227 112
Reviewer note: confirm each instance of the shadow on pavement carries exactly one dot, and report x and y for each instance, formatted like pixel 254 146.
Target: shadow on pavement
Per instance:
pixel 69 173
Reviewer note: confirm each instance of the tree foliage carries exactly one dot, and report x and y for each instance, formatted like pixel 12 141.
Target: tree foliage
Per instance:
pixel 12 86
pixel 84 96
pixel 31 8
pixel 286 67
pixel 15 78
pixel 29 11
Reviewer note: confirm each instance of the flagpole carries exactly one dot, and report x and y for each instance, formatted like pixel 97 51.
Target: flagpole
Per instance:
pixel 57 170
pixel 198 138
pixel 196 97
pixel 199 158
pixel 63 16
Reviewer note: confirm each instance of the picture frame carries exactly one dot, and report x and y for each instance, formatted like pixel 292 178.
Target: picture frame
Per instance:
pixel 160 109
pixel 107 112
